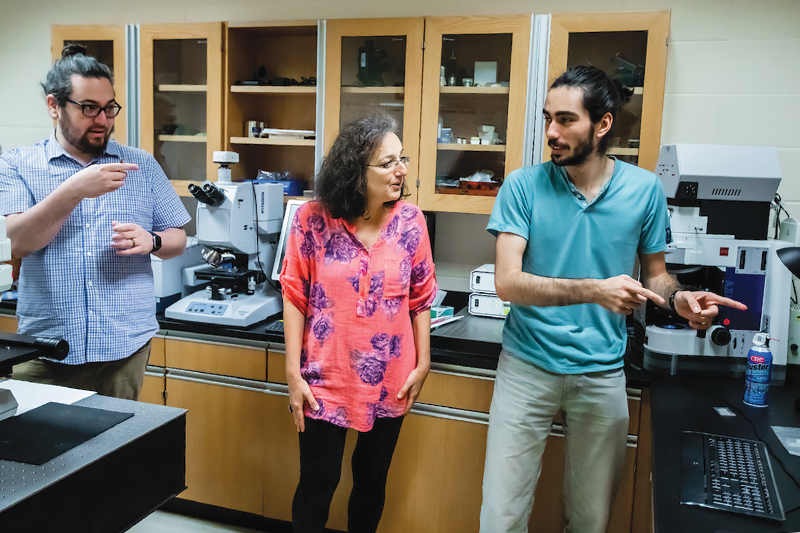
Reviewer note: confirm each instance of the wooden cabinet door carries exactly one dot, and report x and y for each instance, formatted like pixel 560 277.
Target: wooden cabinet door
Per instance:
pixel 181 113
pixel 375 63
pixel 106 43
pixel 225 441
pixel 153 387
pixel 492 51
pixel 632 47
pixel 8 323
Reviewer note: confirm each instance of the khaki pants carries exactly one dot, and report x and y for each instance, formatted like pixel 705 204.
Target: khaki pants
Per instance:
pixel 119 379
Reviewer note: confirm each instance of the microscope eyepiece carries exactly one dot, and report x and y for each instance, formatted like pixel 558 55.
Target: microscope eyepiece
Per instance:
pixel 198 193
pixel 215 196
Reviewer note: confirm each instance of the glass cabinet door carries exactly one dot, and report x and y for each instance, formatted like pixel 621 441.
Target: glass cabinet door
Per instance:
pixel 106 43
pixel 181 100
pixel 630 47
pixel 473 112
pixel 371 65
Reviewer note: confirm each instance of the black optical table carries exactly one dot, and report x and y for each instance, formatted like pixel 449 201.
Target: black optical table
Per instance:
pixel 107 484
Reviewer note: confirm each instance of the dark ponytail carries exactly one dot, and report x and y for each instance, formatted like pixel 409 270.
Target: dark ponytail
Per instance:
pixel 73 61
pixel 601 95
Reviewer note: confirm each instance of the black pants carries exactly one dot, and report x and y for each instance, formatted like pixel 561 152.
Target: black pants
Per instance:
pixel 321 451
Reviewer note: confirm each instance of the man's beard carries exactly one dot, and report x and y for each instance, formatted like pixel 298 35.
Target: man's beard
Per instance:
pixel 579 154
pixel 73 136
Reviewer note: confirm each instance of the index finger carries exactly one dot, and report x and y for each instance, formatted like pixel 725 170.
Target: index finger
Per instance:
pixel 121 167
pixel 727 302
pixel 650 295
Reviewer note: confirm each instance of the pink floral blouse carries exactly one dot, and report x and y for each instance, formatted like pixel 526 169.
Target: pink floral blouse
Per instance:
pixel 358 343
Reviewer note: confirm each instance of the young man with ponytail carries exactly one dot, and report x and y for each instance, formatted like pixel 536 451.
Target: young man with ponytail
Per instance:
pixel 568 233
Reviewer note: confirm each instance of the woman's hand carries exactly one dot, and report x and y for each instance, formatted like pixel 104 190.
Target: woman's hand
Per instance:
pixel 299 394
pixel 412 387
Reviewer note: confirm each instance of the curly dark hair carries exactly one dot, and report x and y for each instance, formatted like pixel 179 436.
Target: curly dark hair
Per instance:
pixel 341 184
pixel 601 95
pixel 73 61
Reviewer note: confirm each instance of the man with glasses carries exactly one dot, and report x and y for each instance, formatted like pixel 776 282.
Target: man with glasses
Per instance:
pixel 85 213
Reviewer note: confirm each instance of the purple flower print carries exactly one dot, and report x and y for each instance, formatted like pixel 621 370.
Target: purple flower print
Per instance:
pixel 312 373
pixel 369 367
pixel 340 248
pixel 296 227
pixel 318 299
pixel 322 327
pixel 420 272
pixel 396 345
pixel 354 282
pixel 338 416
pixel 408 212
pixel 405 272
pixel 364 266
pixel 376 283
pixel 367 307
pixel 306 287
pixel 316 223
pixel 308 247
pixel 380 341
pixel 410 239
pixel 378 410
pixel 391 306
pixel 391 228
pixel 384 393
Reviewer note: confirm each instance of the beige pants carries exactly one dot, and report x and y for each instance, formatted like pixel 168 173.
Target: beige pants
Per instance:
pixel 120 379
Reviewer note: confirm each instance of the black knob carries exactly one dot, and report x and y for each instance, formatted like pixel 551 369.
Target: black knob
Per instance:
pixel 720 336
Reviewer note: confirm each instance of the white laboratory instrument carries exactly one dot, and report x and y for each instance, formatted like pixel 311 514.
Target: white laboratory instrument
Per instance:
pixel 5 255
pixel 236 224
pixel 719 227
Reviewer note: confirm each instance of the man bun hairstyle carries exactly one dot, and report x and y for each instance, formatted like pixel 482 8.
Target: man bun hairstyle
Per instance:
pixel 73 61
pixel 341 184
pixel 601 95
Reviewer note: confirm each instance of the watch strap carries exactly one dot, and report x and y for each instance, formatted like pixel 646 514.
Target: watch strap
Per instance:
pixel 156 242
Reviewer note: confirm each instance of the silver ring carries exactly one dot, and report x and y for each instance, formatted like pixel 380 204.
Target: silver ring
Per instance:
pixel 133 243
pixel 290 409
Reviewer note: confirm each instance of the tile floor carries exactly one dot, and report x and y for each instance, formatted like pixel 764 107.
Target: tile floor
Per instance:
pixel 163 522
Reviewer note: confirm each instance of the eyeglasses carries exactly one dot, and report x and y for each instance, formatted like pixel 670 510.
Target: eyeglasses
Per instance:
pixel 91 110
pixel 391 165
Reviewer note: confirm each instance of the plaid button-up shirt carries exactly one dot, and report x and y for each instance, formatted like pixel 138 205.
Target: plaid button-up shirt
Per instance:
pixel 77 287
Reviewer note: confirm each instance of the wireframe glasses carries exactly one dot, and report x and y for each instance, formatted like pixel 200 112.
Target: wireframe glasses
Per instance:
pixel 391 165
pixel 91 110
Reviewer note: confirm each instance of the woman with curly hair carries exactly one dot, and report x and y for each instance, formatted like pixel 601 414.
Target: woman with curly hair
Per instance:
pixel 358 281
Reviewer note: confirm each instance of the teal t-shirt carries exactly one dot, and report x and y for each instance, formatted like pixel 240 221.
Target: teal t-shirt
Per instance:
pixel 571 238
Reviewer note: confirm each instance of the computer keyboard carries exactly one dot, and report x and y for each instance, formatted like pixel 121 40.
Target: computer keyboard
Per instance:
pixel 274 327
pixel 730 474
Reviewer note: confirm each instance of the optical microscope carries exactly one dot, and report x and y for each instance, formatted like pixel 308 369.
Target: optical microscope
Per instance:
pixel 237 224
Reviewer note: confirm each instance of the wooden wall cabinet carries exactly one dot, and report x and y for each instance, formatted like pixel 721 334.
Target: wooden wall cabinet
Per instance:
pixel 631 47
pixel 261 58
pixel 106 43
pixel 181 94
pixel 465 177
pixel 376 64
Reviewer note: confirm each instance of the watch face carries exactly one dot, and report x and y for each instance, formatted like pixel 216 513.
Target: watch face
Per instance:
pixel 156 241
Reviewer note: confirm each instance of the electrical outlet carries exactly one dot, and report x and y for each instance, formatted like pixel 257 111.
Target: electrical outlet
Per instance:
pixel 741 342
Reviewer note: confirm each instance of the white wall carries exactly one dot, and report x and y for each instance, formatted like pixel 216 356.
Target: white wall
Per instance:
pixel 732 73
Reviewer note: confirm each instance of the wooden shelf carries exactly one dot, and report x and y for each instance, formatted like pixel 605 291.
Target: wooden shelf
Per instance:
pixel 472 147
pixel 373 90
pixel 182 88
pixel 623 151
pixel 266 89
pixel 274 141
pixel 184 138
pixel 473 90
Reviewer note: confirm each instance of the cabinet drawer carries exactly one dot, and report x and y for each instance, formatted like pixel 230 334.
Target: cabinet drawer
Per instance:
pixel 457 391
pixel 276 367
pixel 157 357
pixel 216 358
pixel 8 324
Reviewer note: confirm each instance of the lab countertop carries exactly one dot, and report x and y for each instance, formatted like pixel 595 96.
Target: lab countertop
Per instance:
pixel 687 404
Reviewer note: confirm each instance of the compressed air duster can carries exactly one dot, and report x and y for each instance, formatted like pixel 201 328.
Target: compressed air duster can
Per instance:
pixel 757 376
